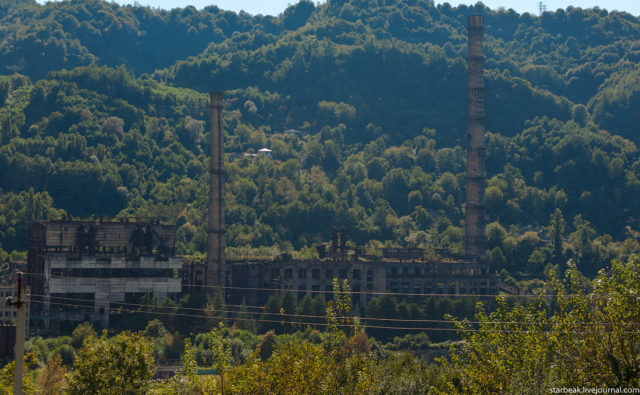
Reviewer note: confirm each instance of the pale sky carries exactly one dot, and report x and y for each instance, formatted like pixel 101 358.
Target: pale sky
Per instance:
pixel 275 7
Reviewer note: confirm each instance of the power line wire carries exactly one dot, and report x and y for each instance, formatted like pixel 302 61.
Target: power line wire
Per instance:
pixel 447 295
pixel 368 326
pixel 204 310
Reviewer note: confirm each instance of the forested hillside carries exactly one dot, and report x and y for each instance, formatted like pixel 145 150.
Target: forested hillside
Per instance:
pixel 363 104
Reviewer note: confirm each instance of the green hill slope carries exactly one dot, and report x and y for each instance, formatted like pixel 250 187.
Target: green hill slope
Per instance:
pixel 105 113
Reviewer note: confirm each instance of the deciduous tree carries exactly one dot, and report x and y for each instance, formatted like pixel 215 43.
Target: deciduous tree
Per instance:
pixel 122 364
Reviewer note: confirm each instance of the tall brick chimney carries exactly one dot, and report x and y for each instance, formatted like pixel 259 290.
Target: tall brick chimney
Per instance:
pixel 215 277
pixel 476 151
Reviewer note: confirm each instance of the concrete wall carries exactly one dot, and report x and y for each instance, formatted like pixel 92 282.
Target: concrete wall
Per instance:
pixel 98 283
pixel 112 234
pixel 8 313
pixel 79 269
pixel 255 281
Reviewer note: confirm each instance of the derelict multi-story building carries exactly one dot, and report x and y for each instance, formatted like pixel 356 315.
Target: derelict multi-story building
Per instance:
pixel 8 312
pixel 403 271
pixel 81 270
pixel 417 277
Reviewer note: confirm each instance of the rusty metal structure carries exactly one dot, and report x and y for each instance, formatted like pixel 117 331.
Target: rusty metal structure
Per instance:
pixel 476 151
pixel 215 267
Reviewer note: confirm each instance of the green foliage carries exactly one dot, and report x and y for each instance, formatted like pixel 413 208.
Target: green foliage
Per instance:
pixel 339 310
pixel 302 368
pixel 556 231
pixel 7 374
pixel 48 349
pixel 52 380
pixel 221 350
pixel 584 336
pixel 271 313
pixel 246 321
pixel 425 308
pixel 185 381
pixel 405 374
pixel 84 132
pixel 155 329
pixel 288 308
pixel 410 342
pixel 81 333
pixel 122 364
pixel 215 311
pixel 612 105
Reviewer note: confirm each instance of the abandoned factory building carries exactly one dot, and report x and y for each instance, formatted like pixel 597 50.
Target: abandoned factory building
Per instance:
pixel 85 270
pixel 410 272
pixel 368 277
pixel 81 270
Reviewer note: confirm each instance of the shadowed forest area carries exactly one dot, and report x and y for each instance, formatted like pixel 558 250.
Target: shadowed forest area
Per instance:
pixel 363 104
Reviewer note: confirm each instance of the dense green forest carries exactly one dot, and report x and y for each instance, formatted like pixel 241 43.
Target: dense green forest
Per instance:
pixel 363 104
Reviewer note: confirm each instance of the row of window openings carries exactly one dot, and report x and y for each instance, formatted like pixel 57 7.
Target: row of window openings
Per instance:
pixel 87 300
pixel 114 272
pixel 440 289
pixel 199 276
pixel 105 249
pixel 417 271
pixel 355 274
pixel 328 288
pixel 329 274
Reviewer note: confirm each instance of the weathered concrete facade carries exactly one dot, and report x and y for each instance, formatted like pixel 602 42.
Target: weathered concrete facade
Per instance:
pixel 193 276
pixel 82 270
pixel 449 274
pixel 8 313
pixel 476 151
pixel 215 229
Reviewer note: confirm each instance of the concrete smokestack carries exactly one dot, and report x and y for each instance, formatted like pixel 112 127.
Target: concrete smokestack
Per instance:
pixel 215 277
pixel 476 151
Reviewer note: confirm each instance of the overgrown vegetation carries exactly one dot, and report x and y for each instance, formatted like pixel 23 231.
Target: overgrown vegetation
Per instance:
pixel 375 155
pixel 579 333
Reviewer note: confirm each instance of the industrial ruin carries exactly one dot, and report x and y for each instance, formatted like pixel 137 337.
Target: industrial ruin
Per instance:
pixel 215 230
pixel 84 270
pixel 412 272
pixel 8 312
pixel 476 178
pixel 401 270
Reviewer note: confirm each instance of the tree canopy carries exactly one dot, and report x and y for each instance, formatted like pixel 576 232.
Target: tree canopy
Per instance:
pixel 362 104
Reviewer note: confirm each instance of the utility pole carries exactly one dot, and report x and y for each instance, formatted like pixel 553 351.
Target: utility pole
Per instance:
pixel 20 329
pixel 542 8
